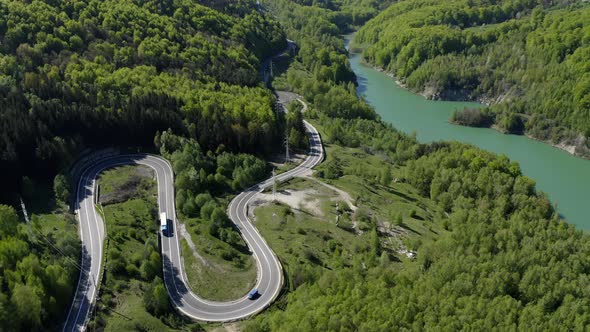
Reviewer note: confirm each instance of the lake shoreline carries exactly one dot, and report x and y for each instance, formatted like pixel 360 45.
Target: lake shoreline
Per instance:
pixel 564 145
pixel 557 172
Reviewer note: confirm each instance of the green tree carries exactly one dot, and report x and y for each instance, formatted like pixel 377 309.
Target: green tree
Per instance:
pixel 8 221
pixel 61 187
pixel 27 307
pixel 385 176
pixel 156 298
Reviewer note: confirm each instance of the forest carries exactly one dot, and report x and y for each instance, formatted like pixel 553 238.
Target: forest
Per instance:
pixel 200 175
pixel 38 270
pixel 527 59
pixel 507 261
pixel 182 77
pixel 321 72
pixel 77 75
pixel 89 74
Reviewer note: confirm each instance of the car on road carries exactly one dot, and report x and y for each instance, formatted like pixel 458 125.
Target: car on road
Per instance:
pixel 253 295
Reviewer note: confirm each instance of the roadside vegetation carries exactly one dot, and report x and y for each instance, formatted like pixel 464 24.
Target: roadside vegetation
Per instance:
pixel 492 252
pixel 215 271
pixel 219 264
pixel 132 294
pixel 90 74
pixel 38 268
pixel 529 59
pixel 321 72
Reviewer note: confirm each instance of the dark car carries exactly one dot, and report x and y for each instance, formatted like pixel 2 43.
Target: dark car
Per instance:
pixel 253 295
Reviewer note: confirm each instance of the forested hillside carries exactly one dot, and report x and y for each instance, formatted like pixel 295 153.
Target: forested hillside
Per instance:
pixel 321 72
pixel 506 261
pixel 528 58
pixel 90 74
pixel 76 74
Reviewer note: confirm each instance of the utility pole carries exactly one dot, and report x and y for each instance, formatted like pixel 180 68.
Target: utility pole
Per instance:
pixel 287 149
pixel 26 215
pixel 270 68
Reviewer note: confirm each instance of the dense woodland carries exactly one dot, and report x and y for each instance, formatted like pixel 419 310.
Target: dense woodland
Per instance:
pixel 321 72
pixel 38 270
pixel 77 74
pixel 89 74
pixel 200 175
pixel 528 58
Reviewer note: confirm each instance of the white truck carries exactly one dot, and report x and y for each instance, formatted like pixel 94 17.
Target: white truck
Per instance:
pixel 163 223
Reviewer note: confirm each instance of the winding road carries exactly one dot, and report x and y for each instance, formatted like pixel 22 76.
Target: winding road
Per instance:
pixel 92 233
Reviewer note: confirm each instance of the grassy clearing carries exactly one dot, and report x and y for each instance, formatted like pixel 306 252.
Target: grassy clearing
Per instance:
pixel 133 262
pixel 302 241
pixel 56 224
pixel 130 314
pixel 387 203
pixel 397 205
pixel 223 272
pixel 122 183
pixel 131 222
pixel 387 218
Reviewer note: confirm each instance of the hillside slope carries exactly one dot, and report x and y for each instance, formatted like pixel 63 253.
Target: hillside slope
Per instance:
pixel 528 59
pixel 78 74
pixel 492 252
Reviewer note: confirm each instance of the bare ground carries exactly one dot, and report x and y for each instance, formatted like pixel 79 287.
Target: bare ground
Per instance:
pixel 191 244
pixel 303 200
pixel 279 159
pixel 343 194
pixel 308 200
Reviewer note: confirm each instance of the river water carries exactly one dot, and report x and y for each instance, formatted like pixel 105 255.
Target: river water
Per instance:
pixel 565 178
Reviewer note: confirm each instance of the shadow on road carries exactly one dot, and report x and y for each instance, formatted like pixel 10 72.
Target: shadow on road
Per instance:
pixel 87 189
pixel 80 303
pixel 176 287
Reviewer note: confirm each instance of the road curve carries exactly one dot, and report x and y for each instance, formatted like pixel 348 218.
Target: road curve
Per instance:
pixel 92 233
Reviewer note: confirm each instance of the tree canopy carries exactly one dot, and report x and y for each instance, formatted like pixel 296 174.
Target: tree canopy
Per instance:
pixel 38 271
pixel 80 74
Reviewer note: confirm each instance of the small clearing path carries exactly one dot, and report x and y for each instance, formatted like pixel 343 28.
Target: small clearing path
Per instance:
pixel 191 244
pixel 343 194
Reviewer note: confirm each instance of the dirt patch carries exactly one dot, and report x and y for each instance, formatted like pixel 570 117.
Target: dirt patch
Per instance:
pixel 132 186
pixel 191 244
pixel 307 200
pixel 302 200
pixel 343 195
pixel 279 159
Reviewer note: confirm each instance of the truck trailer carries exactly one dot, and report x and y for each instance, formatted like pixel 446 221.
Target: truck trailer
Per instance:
pixel 163 223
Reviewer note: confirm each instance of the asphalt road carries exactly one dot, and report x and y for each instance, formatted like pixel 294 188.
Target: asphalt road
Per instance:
pixel 92 233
